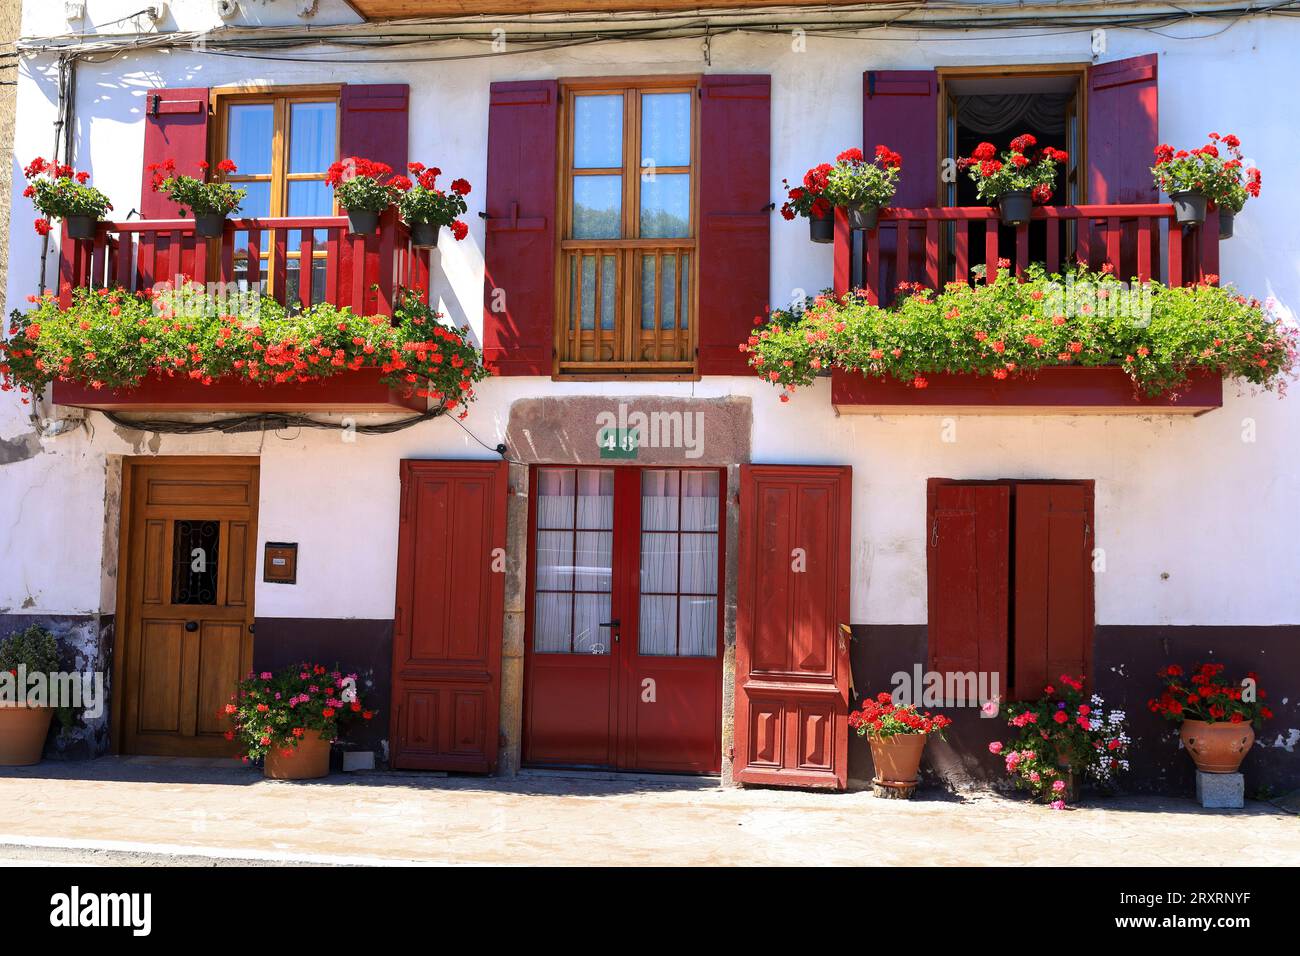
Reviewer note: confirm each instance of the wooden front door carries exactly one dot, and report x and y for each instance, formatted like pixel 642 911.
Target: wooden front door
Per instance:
pixel 624 630
pixel 188 563
pixel 792 658
pixel 447 628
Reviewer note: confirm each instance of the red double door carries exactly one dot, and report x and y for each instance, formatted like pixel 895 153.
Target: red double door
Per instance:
pixel 624 624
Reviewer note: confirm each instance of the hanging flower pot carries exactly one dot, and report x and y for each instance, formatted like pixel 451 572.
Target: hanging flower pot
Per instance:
pixel 1217 747
pixel 424 235
pixel 897 763
pixel 1189 207
pixel 1226 217
pixel 1015 207
pixel 863 217
pixel 209 225
pixel 362 222
pixel 81 227
pixel 22 734
pixel 310 760
pixel 821 229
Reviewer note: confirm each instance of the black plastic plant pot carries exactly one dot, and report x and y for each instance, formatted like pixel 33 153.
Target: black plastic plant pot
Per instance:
pixel 1015 207
pixel 863 218
pixel 1189 207
pixel 209 225
pixel 424 234
pixel 81 227
pixel 821 229
pixel 362 222
pixel 1226 216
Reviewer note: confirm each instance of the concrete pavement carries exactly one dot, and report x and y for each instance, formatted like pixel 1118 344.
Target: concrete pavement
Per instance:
pixel 142 811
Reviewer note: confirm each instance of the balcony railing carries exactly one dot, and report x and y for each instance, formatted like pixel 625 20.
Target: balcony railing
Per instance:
pixel 940 245
pixel 361 272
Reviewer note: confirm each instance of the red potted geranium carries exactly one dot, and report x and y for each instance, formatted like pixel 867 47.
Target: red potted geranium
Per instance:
pixel 1217 718
pixel 862 187
pixel 810 201
pixel 61 192
pixel 208 201
pixel 363 189
pixel 1021 177
pixel 426 208
pixel 897 733
pixel 1195 178
pixel 289 718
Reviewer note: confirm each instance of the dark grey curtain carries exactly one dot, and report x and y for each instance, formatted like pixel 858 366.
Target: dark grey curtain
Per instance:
pixel 999 112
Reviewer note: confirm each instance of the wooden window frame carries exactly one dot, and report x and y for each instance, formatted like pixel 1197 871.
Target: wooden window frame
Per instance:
pixel 281 98
pixel 627 337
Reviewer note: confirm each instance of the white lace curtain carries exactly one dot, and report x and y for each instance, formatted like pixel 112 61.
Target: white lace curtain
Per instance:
pixel 575 560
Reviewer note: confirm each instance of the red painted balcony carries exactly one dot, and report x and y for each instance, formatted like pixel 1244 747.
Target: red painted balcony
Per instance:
pixel 941 245
pixel 360 272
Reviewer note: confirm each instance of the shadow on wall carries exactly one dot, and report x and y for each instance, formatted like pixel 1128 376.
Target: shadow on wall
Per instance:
pixel 363 647
pixel 1125 676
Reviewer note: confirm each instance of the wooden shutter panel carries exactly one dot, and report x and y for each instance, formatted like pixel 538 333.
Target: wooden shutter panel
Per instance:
pixel 176 127
pixel 792 660
pixel 519 253
pixel 735 191
pixel 374 123
pixel 447 627
pixel 1054 584
pixel 900 109
pixel 968 555
pixel 1122 131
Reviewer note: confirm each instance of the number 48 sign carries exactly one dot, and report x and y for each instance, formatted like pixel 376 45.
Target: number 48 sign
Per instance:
pixel 618 442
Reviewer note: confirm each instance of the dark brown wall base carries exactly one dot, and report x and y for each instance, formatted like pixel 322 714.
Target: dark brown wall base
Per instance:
pixel 354 645
pixel 1127 658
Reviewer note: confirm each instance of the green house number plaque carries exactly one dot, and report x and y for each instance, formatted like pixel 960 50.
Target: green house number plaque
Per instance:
pixel 618 443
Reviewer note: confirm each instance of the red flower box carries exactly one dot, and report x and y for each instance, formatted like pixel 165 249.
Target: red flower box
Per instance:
pixel 1055 390
pixel 359 391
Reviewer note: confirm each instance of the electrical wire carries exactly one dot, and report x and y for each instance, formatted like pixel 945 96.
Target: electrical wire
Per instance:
pixel 266 421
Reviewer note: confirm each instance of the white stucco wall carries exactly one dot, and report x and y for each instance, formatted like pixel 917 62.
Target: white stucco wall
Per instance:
pixel 1176 496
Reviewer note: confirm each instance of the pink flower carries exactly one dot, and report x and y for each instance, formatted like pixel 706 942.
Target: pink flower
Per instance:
pixel 1058 786
pixel 995 747
pixel 1058 804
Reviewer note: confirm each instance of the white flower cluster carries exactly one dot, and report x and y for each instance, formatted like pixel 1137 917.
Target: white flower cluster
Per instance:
pixel 1110 756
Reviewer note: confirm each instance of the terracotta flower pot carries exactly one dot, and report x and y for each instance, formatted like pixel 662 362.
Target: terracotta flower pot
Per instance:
pixel 1217 747
pixel 821 230
pixel 1015 207
pixel 897 761
pixel 308 761
pixel 1189 207
pixel 22 734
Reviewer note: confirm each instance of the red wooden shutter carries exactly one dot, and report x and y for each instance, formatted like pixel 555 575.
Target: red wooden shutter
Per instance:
pixel 175 127
pixel 374 123
pixel 735 191
pixel 1054 584
pixel 900 110
pixel 519 254
pixel 1122 131
pixel 447 628
pixel 792 660
pixel 968 554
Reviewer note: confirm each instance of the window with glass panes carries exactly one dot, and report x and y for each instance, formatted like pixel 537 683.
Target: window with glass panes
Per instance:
pixel 627 252
pixel 282 146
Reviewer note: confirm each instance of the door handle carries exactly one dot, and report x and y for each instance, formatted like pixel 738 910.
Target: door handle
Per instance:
pixel 191 625
pixel 614 624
